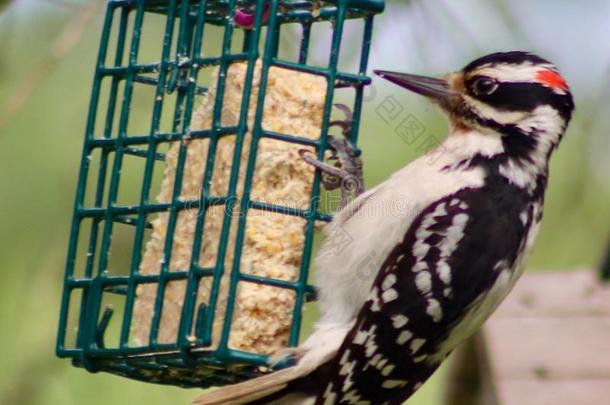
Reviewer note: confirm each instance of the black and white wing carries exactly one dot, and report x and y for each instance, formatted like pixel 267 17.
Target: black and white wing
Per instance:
pixel 455 251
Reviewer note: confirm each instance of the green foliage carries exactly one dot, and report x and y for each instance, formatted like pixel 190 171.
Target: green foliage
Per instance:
pixel 4 4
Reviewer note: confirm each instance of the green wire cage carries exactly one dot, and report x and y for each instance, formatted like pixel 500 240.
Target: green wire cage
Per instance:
pixel 174 80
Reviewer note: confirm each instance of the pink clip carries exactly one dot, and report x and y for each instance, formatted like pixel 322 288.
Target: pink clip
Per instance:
pixel 245 18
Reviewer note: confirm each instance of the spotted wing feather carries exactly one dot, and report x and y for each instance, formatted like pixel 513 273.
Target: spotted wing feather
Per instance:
pixel 451 255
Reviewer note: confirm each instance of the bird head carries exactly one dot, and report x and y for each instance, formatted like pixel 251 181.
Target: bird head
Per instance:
pixel 517 95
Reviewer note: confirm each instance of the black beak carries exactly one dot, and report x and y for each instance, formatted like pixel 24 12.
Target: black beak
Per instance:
pixel 437 89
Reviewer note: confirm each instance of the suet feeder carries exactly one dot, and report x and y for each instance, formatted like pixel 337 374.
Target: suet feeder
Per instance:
pixel 206 260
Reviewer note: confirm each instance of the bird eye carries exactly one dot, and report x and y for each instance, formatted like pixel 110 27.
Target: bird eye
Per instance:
pixel 484 86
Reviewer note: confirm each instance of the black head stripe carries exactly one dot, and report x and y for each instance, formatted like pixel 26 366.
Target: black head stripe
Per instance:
pixel 526 96
pixel 513 58
pixel 519 96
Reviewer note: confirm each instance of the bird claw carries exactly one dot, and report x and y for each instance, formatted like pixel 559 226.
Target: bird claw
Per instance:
pixel 285 357
pixel 346 173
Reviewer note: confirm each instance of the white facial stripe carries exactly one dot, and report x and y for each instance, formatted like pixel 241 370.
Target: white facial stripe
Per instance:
pixel 546 121
pixel 544 118
pixel 485 111
pixel 474 142
pixel 525 72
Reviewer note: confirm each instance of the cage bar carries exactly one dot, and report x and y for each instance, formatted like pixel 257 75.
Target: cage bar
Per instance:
pixel 87 325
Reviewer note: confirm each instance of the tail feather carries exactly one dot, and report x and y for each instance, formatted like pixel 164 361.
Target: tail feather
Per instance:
pixel 302 380
pixel 251 390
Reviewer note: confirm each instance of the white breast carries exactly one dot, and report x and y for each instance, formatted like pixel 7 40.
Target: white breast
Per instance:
pixel 363 234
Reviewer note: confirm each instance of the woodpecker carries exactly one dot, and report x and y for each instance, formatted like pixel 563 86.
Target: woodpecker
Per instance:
pixel 413 283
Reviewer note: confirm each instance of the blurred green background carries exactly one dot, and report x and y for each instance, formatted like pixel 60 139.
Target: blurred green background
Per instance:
pixel 47 55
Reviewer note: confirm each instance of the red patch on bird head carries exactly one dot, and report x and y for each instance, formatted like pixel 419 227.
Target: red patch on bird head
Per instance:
pixel 552 79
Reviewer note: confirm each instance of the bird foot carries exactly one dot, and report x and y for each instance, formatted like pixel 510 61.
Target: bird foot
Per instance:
pixel 345 172
pixel 286 357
